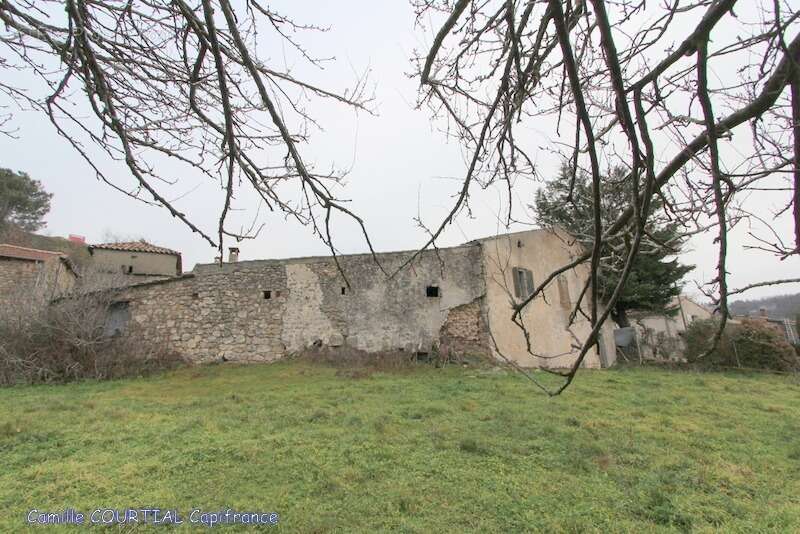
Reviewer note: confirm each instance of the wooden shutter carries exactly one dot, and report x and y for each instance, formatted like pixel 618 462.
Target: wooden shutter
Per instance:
pixel 528 283
pixel 563 291
pixel 516 277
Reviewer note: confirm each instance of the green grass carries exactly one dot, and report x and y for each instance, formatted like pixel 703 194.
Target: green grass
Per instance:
pixel 429 450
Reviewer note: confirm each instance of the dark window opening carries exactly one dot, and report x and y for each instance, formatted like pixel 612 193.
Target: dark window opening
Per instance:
pixel 267 295
pixel 130 269
pixel 519 243
pixel 344 290
pixel 195 295
pixel 432 291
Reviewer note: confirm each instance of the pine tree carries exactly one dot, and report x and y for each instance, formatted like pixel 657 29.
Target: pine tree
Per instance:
pixel 656 274
pixel 23 201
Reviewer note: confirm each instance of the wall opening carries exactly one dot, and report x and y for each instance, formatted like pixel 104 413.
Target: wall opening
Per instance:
pixel 432 291
pixel 267 294
pixel 344 290
pixel 118 317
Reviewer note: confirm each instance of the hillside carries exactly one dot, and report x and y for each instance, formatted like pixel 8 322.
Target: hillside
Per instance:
pixel 77 252
pixel 779 307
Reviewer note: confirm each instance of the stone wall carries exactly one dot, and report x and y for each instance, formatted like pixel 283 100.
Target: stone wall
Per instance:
pixel 38 279
pixel 464 331
pixel 263 310
pixel 450 298
pixel 15 273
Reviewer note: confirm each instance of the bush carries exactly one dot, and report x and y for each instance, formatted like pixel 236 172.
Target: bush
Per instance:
pixel 750 343
pixel 70 340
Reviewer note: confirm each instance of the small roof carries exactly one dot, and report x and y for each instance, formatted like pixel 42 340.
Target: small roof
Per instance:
pixel 136 246
pixel 34 254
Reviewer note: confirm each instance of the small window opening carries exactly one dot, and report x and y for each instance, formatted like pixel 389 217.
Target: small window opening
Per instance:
pixel 195 295
pixel 267 295
pixel 344 290
pixel 519 243
pixel 432 291
pixel 130 269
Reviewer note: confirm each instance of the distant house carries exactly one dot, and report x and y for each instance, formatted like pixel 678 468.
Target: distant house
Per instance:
pixel 686 312
pixel 34 271
pixel 787 327
pixel 660 335
pixel 136 258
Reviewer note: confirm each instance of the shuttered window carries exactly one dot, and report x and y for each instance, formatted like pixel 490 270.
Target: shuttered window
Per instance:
pixel 563 292
pixel 523 282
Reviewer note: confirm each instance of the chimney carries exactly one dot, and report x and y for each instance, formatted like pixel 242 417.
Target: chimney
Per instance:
pixel 233 254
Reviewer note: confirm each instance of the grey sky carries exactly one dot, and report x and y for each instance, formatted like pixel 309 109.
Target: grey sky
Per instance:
pixel 400 165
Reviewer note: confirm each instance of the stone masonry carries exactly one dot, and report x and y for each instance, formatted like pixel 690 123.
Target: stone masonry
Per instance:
pixel 263 310
pixel 456 300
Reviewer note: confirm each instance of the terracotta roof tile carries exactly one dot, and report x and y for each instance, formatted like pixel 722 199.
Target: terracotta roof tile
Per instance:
pixel 32 254
pixel 35 254
pixel 136 246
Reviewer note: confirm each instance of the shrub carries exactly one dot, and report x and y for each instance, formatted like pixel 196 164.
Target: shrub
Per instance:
pixel 70 340
pixel 750 343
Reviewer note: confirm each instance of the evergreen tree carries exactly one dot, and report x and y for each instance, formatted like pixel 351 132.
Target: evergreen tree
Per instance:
pixel 23 201
pixel 656 275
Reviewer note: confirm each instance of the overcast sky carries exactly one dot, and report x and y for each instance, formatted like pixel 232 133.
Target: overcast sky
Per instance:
pixel 400 165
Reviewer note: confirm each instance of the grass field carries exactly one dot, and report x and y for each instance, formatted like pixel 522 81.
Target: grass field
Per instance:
pixel 427 450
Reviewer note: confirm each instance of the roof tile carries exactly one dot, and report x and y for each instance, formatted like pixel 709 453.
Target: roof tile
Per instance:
pixel 136 246
pixel 24 253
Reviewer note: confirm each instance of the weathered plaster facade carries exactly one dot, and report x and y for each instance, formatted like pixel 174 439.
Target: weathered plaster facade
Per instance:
pixel 546 319
pixel 451 299
pixel 138 263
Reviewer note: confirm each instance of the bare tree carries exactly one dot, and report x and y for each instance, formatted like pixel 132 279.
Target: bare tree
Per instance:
pixel 633 83
pixel 628 83
pixel 181 80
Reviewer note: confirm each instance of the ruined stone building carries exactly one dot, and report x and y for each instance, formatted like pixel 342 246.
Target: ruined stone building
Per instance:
pixel 37 273
pixel 455 299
